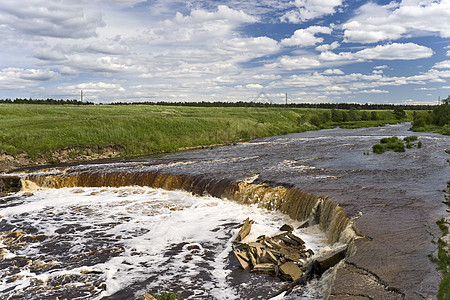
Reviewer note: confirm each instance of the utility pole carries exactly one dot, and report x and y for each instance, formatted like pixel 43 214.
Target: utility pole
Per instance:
pixel 81 96
pixel 439 100
pixel 286 99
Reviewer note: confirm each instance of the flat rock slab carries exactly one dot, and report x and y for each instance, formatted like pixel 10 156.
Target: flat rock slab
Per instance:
pixel 352 282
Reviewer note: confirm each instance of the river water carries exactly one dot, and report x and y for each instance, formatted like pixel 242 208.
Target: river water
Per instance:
pixel 118 243
pixel 398 197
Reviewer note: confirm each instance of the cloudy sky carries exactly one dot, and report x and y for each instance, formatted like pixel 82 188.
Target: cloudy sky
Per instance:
pixel 214 50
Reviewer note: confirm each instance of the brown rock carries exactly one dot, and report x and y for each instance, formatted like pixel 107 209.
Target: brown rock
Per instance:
pixel 245 230
pixel 262 268
pixel 330 259
pixel 239 256
pixel 147 296
pixel 287 227
pixel 290 271
pixel 296 238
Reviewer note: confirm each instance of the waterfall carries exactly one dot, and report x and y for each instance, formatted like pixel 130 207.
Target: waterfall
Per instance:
pixel 294 202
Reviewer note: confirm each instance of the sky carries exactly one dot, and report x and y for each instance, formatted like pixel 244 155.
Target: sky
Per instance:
pixel 313 51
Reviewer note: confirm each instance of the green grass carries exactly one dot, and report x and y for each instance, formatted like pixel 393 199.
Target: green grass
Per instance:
pixel 39 130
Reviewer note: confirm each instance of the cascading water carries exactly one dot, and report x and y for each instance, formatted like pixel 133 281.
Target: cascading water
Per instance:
pixel 91 235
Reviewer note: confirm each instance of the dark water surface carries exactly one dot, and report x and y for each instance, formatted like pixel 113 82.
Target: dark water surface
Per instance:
pixel 400 195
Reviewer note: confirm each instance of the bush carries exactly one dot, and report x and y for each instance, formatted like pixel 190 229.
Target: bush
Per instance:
pixel 379 148
pixel 397 146
pixel 411 138
pixel 166 296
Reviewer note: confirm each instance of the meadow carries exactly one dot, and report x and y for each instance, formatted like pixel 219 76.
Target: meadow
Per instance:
pixel 38 130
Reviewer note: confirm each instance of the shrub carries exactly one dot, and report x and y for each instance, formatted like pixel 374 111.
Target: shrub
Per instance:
pixel 397 146
pixel 379 148
pixel 411 138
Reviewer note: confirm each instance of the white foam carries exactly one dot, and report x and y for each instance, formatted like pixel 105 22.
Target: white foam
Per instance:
pixel 146 225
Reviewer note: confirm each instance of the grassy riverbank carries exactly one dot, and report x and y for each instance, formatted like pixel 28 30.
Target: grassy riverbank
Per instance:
pixel 63 133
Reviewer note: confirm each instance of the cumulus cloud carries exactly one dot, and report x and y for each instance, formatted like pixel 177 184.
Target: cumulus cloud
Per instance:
pixel 442 65
pixel 292 63
pixel 333 72
pixel 394 51
pixel 59 19
pixel 310 9
pixel 16 78
pixel 373 91
pixel 375 22
pixel 328 47
pixel 306 37
pixel 408 51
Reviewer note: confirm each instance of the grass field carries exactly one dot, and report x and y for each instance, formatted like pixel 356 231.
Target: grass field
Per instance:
pixel 38 130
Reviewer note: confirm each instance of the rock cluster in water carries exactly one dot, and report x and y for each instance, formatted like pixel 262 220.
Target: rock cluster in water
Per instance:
pixel 280 255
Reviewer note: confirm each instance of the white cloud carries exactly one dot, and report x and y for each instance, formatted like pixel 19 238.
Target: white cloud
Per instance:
pixel 373 91
pixel 328 47
pixel 18 78
pixel 292 63
pixel 375 23
pixel 306 37
pixel 382 67
pixel 333 72
pixel 408 51
pixel 58 19
pixel 394 51
pixel 442 65
pixel 310 9
pixel 254 86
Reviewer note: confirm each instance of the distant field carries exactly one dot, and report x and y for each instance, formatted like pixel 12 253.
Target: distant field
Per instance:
pixel 37 131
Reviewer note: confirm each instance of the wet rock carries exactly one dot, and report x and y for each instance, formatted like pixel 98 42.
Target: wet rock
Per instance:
pixel 331 259
pixel 290 271
pixel 264 268
pixel 280 254
pixel 245 230
pixel 287 227
pixel 9 184
pixel 147 296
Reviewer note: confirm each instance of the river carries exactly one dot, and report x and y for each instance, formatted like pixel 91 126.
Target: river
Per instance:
pixel 396 197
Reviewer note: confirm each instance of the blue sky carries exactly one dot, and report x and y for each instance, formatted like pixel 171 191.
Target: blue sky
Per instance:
pixel 316 51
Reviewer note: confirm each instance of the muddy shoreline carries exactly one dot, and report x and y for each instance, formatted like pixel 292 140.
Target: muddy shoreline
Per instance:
pixel 398 195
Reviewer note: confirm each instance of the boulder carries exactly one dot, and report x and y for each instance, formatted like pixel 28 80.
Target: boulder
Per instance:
pixel 287 227
pixel 245 230
pixel 290 271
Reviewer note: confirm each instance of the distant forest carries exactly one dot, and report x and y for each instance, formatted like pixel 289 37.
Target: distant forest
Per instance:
pixel 231 104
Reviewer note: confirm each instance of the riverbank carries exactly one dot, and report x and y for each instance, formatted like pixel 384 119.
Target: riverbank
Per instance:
pixel 36 135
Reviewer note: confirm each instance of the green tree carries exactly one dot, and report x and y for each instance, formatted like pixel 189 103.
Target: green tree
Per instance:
pixel 373 115
pixel 336 115
pixel 365 116
pixel 399 113
pixel 352 115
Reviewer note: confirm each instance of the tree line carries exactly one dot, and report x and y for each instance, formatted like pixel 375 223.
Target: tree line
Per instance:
pixel 340 106
pixel 45 101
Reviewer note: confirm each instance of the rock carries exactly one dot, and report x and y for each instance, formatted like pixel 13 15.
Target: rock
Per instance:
pixel 332 258
pixel 290 271
pixel 305 224
pixel 245 230
pixel 147 296
pixel 287 227
pixel 296 238
pixel 240 257
pixel 263 268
